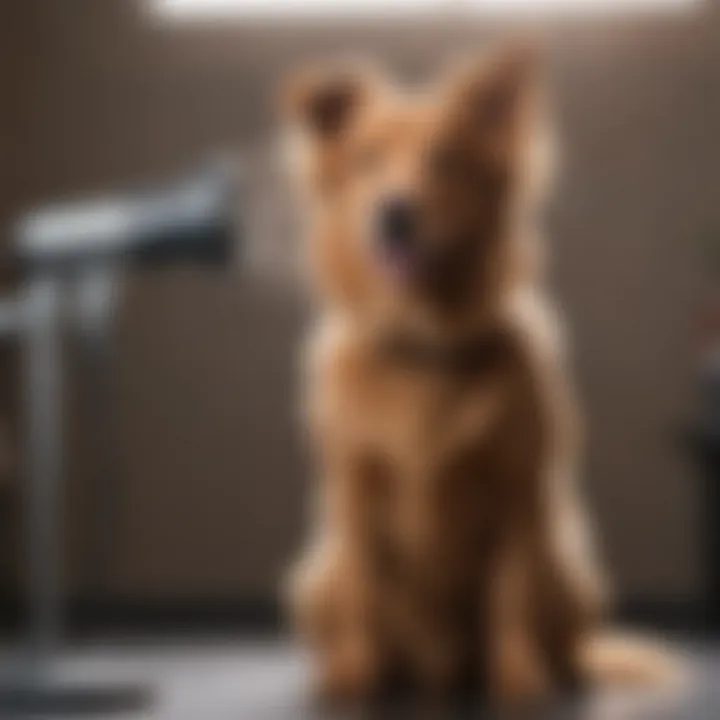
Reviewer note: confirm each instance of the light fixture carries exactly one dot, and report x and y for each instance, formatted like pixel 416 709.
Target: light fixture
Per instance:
pixel 197 9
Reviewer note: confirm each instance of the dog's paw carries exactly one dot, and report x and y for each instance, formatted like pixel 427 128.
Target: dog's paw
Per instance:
pixel 519 678
pixel 348 676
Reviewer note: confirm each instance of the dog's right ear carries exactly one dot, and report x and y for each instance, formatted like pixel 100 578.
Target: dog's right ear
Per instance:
pixel 324 103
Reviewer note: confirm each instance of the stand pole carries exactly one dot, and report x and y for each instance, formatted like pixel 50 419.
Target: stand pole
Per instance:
pixel 43 407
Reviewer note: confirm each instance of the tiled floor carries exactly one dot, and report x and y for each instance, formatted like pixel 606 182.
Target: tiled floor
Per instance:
pixel 251 680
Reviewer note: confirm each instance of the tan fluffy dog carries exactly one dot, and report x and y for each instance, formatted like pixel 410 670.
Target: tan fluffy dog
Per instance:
pixel 450 545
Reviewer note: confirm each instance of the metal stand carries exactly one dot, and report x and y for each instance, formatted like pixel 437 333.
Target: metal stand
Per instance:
pixel 34 685
pixel 85 245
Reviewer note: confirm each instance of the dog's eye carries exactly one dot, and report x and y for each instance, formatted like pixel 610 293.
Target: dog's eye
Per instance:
pixel 448 162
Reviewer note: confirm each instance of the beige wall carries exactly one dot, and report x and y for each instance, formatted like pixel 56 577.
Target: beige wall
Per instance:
pixel 212 482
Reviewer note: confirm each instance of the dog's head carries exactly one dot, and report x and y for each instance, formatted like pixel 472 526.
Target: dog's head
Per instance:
pixel 415 196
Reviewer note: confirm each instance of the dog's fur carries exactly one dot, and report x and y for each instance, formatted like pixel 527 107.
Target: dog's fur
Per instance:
pixel 450 544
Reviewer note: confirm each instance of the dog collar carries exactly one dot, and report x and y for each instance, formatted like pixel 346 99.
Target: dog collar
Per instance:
pixel 468 356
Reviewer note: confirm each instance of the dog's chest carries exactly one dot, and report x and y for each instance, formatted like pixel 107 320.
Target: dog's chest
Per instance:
pixel 422 423
pixel 426 443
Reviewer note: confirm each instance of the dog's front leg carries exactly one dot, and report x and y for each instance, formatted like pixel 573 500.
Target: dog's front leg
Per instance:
pixel 516 666
pixel 340 588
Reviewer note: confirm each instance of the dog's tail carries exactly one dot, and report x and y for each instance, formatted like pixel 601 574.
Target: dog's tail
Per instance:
pixel 625 659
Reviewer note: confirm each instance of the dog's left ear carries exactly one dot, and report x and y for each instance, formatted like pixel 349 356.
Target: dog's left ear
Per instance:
pixel 324 102
pixel 493 96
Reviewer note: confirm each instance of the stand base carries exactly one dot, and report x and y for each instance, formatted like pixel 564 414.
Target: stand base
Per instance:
pixel 59 699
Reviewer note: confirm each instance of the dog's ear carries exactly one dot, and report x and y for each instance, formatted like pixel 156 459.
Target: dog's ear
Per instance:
pixel 324 102
pixel 495 94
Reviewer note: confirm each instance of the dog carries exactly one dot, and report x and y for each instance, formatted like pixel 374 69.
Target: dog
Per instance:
pixel 450 544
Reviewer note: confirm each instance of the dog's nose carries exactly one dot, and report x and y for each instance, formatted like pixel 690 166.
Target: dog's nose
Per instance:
pixel 397 223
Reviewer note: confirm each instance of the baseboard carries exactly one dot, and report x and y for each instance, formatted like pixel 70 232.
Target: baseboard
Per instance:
pixel 87 617
pixel 681 615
